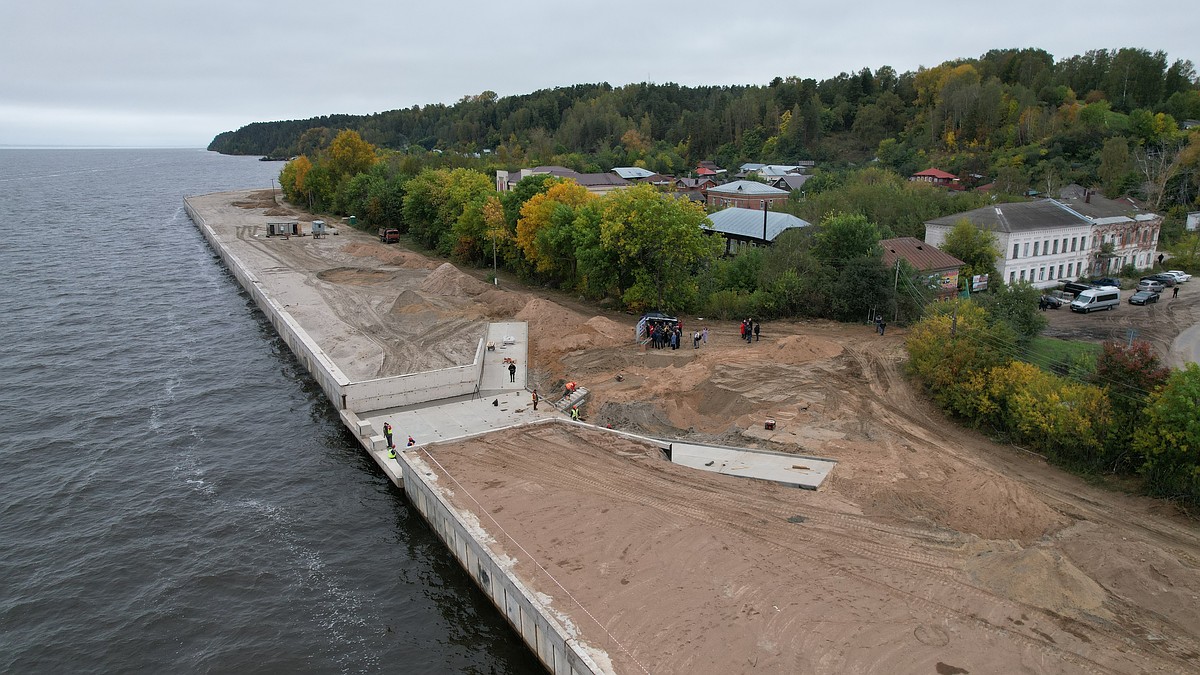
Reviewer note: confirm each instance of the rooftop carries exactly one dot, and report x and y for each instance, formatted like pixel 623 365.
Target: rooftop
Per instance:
pixel 748 223
pixel 924 257
pixel 1017 217
pixel 746 187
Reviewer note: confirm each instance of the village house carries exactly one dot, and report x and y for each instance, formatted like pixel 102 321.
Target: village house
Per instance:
pixel 695 189
pixel 750 227
pixel 596 183
pixel 747 194
pixel 939 267
pixel 936 177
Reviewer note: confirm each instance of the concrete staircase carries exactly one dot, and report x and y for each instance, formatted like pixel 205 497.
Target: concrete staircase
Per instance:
pixel 576 398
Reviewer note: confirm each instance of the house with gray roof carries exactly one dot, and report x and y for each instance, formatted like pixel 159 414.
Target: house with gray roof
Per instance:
pixel 632 172
pixel 750 227
pixel 1047 240
pixel 598 183
pixel 1039 242
pixel 791 182
pixel 747 194
pixel 1131 229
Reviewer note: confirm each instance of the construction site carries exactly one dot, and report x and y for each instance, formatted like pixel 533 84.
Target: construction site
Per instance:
pixel 924 547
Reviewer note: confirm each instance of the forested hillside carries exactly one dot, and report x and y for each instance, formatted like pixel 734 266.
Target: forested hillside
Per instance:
pixel 1014 116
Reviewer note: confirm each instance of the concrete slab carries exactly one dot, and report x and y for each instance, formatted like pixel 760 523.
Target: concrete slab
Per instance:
pixel 510 340
pixel 460 417
pixel 797 470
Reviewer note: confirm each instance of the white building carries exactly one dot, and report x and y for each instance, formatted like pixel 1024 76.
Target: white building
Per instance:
pixel 1040 242
pixel 1043 241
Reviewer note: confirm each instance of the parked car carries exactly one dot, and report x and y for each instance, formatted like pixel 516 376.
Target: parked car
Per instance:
pixel 1055 299
pixel 1179 274
pixel 1164 279
pixel 1143 298
pixel 1106 281
pixel 1151 285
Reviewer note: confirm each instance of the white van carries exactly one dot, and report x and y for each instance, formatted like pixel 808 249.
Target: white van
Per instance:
pixel 1105 297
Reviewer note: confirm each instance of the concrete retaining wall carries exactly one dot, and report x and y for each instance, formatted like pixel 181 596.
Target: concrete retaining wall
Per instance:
pixel 378 394
pixel 413 388
pixel 560 653
pixel 330 378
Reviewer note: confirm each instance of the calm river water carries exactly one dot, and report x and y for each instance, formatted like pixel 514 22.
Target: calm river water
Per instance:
pixel 175 492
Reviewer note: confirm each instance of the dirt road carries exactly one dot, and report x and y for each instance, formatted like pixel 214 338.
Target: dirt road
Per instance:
pixel 929 544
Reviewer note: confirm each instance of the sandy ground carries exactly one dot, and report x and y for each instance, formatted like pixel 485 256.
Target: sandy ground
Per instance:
pixel 929 549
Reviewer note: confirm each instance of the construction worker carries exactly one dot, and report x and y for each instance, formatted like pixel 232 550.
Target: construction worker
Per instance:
pixel 575 413
pixel 411 442
pixel 387 434
pixel 391 453
pixel 535 399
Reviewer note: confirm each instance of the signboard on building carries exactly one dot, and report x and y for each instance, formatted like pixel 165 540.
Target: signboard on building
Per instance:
pixel 979 283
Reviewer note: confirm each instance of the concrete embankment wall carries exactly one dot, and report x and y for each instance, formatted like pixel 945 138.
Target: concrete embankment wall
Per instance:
pixel 324 371
pixel 386 392
pixel 413 388
pixel 557 650
pixel 554 646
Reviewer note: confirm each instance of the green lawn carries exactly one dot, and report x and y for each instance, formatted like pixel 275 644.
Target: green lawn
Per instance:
pixel 1062 356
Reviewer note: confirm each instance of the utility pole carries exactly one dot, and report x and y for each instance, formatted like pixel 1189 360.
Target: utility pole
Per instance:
pixel 764 205
pixel 895 292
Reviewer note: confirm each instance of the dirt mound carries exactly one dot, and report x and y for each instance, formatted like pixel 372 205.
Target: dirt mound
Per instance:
pixel 549 318
pixel 264 199
pixel 410 302
pixel 803 348
pixel 606 327
pixel 355 276
pixel 500 304
pixel 1038 577
pixel 449 280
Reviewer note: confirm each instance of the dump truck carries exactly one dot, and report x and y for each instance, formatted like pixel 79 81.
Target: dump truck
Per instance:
pixel 389 235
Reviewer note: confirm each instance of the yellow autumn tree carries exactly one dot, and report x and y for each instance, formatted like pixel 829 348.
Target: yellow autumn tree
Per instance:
pixel 536 216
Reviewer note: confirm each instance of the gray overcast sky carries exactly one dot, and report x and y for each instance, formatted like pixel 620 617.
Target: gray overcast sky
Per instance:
pixel 176 73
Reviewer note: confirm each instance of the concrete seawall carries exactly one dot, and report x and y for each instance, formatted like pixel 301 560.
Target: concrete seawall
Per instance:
pixel 551 638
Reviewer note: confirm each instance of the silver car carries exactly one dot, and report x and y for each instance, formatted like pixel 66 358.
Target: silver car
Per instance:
pixel 1151 285
pixel 1179 274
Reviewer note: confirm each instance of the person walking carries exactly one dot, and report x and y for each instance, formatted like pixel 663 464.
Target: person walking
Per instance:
pixel 535 399
pixel 1174 292
pixel 704 335
pixel 757 329
pixel 512 372
pixel 882 326
pixel 387 435
pixel 879 324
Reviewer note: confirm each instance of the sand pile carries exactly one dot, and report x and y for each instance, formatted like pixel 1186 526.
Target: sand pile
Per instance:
pixel 410 302
pixel 1041 578
pixel 449 280
pixel 500 304
pixel 803 348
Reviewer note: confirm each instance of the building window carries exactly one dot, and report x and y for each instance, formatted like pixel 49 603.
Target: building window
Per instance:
pixel 1056 246
pixel 1023 272
pixel 1012 277
pixel 1026 249
pixel 1070 266
pixel 1064 248
pixel 1035 248
pixel 1016 248
pixel 1073 244
pixel 1046 248
pixel 1041 274
pixel 1060 270
pixel 1083 243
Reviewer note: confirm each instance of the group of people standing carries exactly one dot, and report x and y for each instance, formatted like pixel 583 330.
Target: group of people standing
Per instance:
pixel 663 334
pixel 750 330
pixel 387 435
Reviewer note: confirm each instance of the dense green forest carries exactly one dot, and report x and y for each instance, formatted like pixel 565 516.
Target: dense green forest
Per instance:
pixel 1015 116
